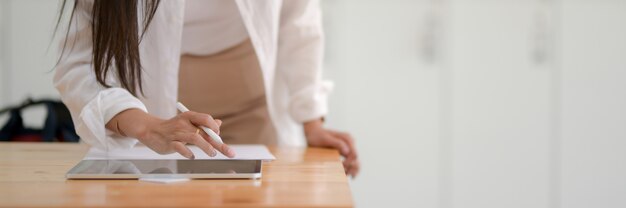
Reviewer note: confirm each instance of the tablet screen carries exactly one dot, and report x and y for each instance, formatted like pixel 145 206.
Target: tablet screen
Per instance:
pixel 151 167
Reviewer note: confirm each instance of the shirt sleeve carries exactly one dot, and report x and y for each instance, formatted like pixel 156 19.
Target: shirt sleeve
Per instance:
pixel 300 58
pixel 90 104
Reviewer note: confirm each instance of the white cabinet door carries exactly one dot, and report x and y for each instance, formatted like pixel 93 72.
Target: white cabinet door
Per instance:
pixel 499 104
pixel 593 86
pixel 388 93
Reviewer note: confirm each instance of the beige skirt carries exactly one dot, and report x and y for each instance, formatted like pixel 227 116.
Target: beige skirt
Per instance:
pixel 229 86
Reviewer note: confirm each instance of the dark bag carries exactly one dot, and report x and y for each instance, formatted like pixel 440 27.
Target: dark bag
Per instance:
pixel 58 125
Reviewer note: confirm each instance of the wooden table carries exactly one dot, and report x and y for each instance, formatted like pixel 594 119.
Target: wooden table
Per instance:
pixel 32 175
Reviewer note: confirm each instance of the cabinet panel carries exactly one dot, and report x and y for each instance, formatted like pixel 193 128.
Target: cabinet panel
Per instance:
pixel 390 96
pixel 500 108
pixel 593 104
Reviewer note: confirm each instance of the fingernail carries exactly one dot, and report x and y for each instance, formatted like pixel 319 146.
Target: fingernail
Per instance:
pixel 192 157
pixel 213 153
pixel 231 152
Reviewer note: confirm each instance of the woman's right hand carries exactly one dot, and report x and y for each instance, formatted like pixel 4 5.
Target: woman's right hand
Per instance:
pixel 167 136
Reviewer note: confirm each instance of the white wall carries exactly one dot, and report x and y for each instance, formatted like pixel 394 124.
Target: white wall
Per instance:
pixel 461 103
pixel 30 60
pixel 27 62
pixel 3 50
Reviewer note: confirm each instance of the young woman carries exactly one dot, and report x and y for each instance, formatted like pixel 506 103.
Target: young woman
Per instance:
pixel 248 69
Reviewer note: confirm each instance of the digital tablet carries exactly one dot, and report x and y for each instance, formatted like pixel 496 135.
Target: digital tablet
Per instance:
pixel 130 169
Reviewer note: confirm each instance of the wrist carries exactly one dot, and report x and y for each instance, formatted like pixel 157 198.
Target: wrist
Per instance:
pixel 132 123
pixel 312 125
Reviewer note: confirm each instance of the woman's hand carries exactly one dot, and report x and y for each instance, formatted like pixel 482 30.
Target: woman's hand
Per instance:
pixel 167 136
pixel 318 136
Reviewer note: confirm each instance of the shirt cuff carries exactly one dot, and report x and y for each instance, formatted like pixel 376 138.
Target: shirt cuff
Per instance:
pixel 310 103
pixel 99 111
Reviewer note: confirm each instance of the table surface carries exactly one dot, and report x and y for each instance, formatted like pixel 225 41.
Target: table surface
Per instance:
pixel 33 174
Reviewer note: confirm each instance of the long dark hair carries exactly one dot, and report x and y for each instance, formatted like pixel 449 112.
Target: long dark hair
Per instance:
pixel 116 38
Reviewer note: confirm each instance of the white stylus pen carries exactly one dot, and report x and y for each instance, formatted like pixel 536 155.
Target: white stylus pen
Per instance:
pixel 208 131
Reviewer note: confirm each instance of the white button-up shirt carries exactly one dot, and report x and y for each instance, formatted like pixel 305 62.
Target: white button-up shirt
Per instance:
pixel 287 37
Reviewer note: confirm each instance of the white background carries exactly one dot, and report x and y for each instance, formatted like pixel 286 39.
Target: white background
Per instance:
pixel 458 103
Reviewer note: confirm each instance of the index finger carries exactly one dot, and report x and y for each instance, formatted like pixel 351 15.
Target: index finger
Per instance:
pixel 347 139
pixel 223 148
pixel 197 140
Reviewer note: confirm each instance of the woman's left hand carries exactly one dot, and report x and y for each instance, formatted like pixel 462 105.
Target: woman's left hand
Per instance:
pixel 318 136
